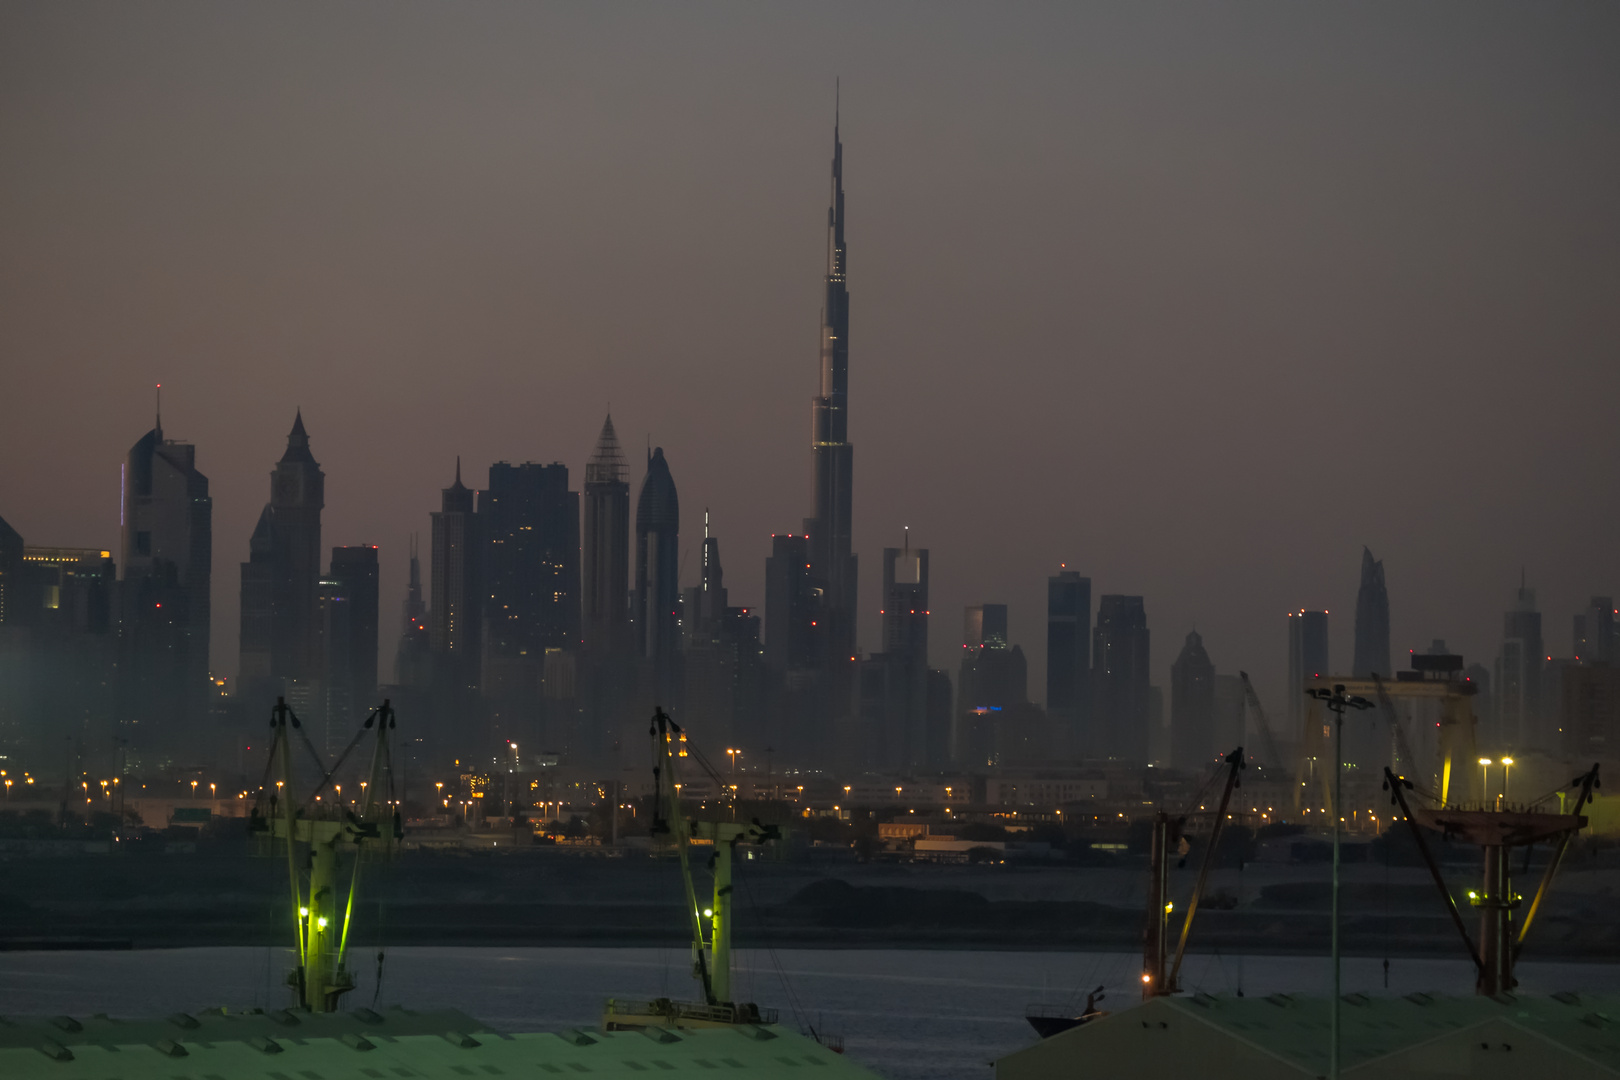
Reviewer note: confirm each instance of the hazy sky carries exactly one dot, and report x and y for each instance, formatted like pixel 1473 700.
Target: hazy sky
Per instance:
pixel 1197 298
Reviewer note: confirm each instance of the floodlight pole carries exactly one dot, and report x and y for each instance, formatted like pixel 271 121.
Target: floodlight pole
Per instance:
pixel 1337 703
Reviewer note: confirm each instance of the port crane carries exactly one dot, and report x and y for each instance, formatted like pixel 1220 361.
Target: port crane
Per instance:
pixel 711 923
pixel 1455 746
pixel 1161 970
pixel 316 833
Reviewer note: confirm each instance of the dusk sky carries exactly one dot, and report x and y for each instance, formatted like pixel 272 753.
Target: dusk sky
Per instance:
pixel 1195 298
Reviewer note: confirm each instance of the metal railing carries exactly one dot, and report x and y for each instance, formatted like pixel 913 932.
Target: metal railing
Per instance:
pixel 676 1011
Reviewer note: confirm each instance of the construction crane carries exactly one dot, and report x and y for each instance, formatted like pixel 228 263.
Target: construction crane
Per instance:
pixel 323 829
pixel 1273 759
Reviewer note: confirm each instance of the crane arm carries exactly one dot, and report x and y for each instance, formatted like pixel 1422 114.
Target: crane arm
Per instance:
pixel 1234 762
pixel 1273 759
pixel 1387 707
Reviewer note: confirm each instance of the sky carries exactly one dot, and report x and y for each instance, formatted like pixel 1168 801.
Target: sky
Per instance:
pixel 1194 298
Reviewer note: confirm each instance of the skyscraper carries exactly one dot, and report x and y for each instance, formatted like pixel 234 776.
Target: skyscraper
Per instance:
pixel 722 667
pixel 1595 636
pixel 1119 673
pixel 1372 621
pixel 354 569
pixel 255 643
pixel 605 555
pixel 658 566
pixel 1518 675
pixel 1307 659
pixel 790 613
pixel 1193 737
pixel 530 523
pixel 411 664
pixel 903 714
pixel 832 559
pixel 280 639
pixel 455 613
pixel 166 571
pixel 705 602
pixel 991 686
pixel 1068 656
pixel 11 575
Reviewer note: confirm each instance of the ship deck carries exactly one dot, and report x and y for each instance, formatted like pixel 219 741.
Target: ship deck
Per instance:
pixel 396 1043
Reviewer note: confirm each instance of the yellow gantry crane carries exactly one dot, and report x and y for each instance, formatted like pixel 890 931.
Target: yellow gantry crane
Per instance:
pixel 1455 742
pixel 315 831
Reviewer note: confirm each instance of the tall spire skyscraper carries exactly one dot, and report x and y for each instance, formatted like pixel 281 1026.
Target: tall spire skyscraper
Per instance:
pixel 832 560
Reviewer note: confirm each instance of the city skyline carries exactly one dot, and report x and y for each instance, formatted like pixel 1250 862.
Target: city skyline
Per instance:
pixel 944 436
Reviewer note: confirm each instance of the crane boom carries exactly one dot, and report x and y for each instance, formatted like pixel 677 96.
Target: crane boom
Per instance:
pixel 1273 759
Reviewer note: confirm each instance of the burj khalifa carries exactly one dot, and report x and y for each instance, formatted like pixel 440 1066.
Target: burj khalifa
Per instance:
pixel 832 562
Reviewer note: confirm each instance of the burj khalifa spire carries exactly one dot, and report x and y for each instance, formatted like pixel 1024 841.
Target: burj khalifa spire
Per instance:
pixel 832 561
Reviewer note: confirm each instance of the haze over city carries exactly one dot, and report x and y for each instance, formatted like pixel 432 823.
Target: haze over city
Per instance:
pixel 1195 301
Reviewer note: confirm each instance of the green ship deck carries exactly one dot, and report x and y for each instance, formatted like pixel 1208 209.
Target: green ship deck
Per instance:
pixel 396 1043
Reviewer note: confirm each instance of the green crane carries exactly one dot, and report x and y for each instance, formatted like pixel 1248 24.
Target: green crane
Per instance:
pixel 320 830
pixel 711 923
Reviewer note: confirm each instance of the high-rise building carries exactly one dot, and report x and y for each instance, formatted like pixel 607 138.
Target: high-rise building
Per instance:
pixel 790 608
pixel 1119 672
pixel 455 612
pixel 412 663
pixel 992 689
pixel 984 626
pixel 280 639
pixel 255 642
pixel 1372 621
pixel 905 602
pixel 354 570
pixel 11 575
pixel 605 555
pixel 530 523
pixel 1589 711
pixel 705 603
pixel 1518 675
pixel 723 667
pixel 166 571
pixel 330 711
pixel 1068 656
pixel 657 606
pixel 1193 740
pixel 1596 640
pixel 902 716
pixel 1307 659
pixel 59 633
pixel 830 527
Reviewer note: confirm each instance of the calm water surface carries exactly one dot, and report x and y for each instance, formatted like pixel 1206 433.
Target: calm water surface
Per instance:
pixel 907 1014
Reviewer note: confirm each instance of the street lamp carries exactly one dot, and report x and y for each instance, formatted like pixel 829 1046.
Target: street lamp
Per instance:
pixel 1337 702
pixel 194 789
pixel 1484 780
pixel 1507 763
pixel 733 754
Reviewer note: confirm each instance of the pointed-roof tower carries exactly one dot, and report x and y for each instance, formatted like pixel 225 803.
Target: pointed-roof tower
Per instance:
pixel 298 441
pixel 607 464
pixel 458 497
